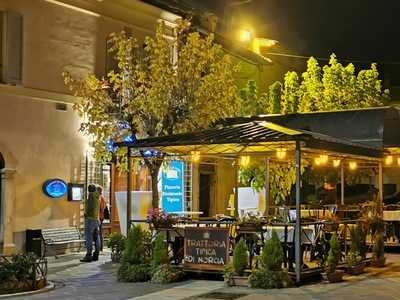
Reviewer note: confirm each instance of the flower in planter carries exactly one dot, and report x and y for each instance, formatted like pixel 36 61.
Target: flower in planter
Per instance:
pixel 159 218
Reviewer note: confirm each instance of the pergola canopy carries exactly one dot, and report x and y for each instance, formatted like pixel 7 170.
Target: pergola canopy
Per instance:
pixel 251 138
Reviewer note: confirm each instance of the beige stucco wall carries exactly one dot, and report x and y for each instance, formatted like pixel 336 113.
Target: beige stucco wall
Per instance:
pixel 37 141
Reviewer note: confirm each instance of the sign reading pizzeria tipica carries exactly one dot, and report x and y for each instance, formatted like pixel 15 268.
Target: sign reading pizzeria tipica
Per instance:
pixel 206 248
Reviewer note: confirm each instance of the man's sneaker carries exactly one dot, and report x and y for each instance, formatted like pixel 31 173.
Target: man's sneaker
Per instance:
pixel 86 259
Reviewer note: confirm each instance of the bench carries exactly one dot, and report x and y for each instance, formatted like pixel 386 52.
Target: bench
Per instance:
pixel 61 236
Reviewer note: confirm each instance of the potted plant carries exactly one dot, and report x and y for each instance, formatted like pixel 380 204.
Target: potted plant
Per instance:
pixel 355 259
pixel 116 243
pixel 160 219
pixel 271 274
pixel 235 273
pixel 331 274
pixel 378 251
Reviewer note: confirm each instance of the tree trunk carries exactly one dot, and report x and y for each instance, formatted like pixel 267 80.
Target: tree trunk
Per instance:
pixel 154 167
pixel 154 188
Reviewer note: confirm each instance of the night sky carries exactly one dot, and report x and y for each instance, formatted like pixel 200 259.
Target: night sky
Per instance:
pixel 354 29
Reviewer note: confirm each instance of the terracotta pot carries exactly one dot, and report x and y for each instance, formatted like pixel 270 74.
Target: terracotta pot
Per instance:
pixel 357 269
pixel 333 277
pixel 239 281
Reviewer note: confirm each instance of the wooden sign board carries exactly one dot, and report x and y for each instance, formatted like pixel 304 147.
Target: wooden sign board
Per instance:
pixel 206 248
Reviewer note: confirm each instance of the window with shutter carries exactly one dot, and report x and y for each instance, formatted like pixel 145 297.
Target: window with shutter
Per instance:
pixel 11 48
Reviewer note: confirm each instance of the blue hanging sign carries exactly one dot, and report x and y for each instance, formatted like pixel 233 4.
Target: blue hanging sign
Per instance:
pixel 55 188
pixel 172 187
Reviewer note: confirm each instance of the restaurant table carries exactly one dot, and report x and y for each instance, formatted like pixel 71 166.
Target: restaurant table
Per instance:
pixel 391 215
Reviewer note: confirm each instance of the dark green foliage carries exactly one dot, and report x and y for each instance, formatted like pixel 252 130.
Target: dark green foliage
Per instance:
pixel 240 257
pixel 379 247
pixel 18 274
pixel 333 254
pixel 272 254
pixel 20 268
pixel 266 279
pixel 160 252
pixel 116 243
pixel 134 248
pixel 133 272
pixel 164 274
pixel 134 266
pixel 228 273
pixel 358 241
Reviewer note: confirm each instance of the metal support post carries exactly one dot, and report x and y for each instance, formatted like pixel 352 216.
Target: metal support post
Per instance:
pixel 298 258
pixel 129 192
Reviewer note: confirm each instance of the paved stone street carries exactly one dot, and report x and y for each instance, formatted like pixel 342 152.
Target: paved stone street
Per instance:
pixel 75 280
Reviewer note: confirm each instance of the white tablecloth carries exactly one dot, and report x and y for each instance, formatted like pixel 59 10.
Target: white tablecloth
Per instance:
pixel 391 215
pixel 307 234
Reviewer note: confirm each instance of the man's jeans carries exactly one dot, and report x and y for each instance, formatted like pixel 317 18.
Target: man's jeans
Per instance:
pixel 92 233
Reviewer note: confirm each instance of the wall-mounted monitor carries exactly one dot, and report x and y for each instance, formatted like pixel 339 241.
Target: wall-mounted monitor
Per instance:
pixel 76 191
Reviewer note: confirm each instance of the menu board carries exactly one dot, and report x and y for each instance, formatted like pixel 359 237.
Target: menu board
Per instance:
pixel 172 186
pixel 206 248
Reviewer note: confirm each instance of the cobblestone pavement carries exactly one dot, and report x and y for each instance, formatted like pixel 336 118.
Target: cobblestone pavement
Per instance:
pixel 75 280
pixel 95 280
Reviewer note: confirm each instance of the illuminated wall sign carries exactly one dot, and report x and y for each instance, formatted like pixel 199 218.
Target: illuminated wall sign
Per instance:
pixel 55 188
pixel 172 187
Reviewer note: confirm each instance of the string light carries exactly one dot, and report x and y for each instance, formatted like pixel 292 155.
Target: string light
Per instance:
pixel 336 163
pixel 281 153
pixel 323 158
pixel 195 156
pixel 245 161
pixel 389 160
pixel 353 165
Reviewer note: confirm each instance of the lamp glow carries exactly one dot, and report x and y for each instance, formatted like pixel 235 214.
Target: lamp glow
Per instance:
pixel 195 156
pixel 389 160
pixel 353 165
pixel 323 158
pixel 317 161
pixel 398 161
pixel 281 153
pixel 245 35
pixel 245 161
pixel 336 163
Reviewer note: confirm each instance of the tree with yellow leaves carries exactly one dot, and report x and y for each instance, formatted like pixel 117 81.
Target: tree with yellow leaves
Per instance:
pixel 156 91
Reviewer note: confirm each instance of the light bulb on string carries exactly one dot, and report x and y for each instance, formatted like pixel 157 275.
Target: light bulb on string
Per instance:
pixel 281 153
pixel 336 163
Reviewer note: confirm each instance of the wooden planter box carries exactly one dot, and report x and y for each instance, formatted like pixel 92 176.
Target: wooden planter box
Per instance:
pixel 251 227
pixel 239 281
pixel 356 270
pixel 333 277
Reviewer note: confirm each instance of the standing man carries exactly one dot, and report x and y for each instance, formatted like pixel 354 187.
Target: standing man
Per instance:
pixel 92 223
